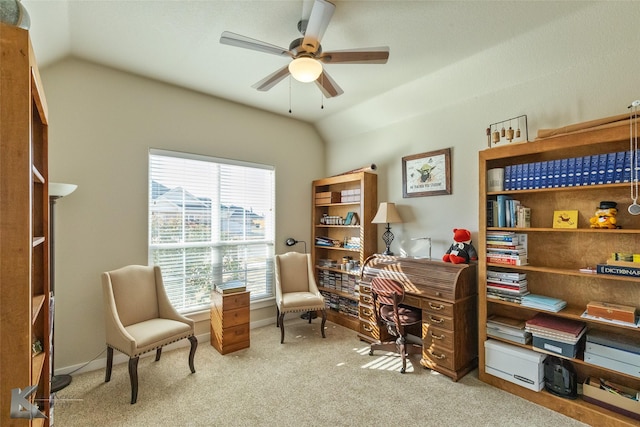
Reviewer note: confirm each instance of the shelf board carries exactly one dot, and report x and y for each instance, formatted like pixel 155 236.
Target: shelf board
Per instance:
pixel 343 319
pixel 340 293
pixel 338 204
pixel 337 226
pixel 36 305
pixel 337 270
pixel 37 363
pixel 38 177
pixel 564 271
pixel 577 408
pixel 337 248
pixel 566 230
pixel 561 189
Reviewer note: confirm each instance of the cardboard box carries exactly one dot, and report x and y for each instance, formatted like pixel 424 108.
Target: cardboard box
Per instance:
pixel 515 364
pixel 623 313
pixel 612 364
pixel 556 347
pixel 327 197
pixel 623 405
pixel 613 353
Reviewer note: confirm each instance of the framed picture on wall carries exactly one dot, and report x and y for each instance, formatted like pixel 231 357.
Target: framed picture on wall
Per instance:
pixel 427 174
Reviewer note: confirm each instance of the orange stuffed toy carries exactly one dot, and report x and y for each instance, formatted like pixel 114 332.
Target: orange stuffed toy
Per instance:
pixel 461 251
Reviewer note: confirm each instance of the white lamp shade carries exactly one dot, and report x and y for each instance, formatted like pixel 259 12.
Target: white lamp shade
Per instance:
pixel 305 70
pixel 57 189
pixel 387 214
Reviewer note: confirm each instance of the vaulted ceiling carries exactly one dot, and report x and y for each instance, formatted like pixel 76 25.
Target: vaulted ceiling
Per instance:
pixel 177 42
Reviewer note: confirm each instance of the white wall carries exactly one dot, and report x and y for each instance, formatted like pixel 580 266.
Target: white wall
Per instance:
pixel 580 68
pixel 102 123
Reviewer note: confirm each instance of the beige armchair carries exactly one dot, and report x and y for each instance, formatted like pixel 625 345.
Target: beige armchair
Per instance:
pixel 139 318
pixel 296 289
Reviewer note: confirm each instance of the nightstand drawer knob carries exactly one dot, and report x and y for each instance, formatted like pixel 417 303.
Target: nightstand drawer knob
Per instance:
pixel 366 299
pixel 367 312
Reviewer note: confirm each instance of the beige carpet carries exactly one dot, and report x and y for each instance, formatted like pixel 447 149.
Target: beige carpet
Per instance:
pixel 307 381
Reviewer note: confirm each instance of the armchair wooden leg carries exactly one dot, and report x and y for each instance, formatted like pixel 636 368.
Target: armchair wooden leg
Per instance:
pixel 324 320
pixel 133 376
pixel 158 353
pixel 192 353
pixel 277 317
pixel 310 314
pixel 107 374
pixel 281 322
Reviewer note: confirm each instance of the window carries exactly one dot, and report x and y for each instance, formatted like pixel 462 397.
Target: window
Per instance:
pixel 211 221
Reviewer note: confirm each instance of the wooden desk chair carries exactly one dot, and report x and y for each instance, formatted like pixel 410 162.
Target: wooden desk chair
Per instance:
pixel 388 295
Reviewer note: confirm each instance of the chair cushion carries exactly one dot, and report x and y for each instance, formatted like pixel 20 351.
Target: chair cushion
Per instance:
pixel 301 301
pixel 157 332
pixel 407 315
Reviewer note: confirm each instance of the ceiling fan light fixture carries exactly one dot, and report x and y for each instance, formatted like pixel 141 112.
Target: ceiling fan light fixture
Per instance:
pixel 305 69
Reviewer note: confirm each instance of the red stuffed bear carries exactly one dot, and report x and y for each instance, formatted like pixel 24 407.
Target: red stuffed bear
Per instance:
pixel 461 251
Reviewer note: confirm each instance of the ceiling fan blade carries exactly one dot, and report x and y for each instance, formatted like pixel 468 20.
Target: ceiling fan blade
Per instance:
pixel 328 86
pixel 237 40
pixel 272 79
pixel 321 14
pixel 372 55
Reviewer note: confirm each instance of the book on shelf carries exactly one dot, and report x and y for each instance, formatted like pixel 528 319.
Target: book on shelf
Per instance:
pixel 514 286
pixel 507 260
pixel 507 298
pixel 230 287
pixel 618 270
pixel 508 275
pixel 543 302
pixel 508 337
pixel 508 282
pixel 556 326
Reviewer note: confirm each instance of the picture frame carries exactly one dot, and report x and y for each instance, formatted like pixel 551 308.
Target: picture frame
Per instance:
pixel 565 219
pixel 427 174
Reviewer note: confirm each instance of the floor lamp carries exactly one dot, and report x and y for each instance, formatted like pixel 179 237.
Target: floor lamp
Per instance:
pixel 56 191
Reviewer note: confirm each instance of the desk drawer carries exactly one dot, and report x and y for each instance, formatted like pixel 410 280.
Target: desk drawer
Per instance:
pixel 372 330
pixel 238 316
pixel 433 336
pixel 437 320
pixel 236 300
pixel 438 356
pixel 438 308
pixel 366 313
pixel 366 299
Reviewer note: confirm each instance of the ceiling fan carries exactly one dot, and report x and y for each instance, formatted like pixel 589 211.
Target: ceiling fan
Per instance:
pixel 307 54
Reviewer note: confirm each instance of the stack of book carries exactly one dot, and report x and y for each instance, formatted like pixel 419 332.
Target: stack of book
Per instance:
pixel 506 247
pixel 555 335
pixel 543 302
pixel 506 285
pixel 508 329
pixel 230 287
pixel 324 241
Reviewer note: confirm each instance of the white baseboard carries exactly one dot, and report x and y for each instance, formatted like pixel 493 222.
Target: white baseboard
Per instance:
pixel 122 358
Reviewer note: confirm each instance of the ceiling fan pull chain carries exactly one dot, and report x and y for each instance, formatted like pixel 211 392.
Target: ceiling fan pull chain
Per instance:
pixel 289 94
pixel 321 96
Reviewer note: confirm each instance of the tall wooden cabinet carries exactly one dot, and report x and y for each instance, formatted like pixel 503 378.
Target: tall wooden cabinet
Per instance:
pixel 25 324
pixel 556 255
pixel 352 196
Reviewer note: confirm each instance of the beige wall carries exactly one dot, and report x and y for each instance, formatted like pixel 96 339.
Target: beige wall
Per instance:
pixel 102 123
pixel 580 68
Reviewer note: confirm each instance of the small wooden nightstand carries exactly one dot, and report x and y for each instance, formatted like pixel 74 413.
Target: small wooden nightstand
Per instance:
pixel 229 321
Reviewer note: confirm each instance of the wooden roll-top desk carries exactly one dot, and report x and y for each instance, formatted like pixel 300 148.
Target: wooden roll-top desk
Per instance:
pixel 447 295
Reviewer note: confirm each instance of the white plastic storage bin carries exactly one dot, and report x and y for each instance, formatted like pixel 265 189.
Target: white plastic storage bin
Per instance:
pixel 517 365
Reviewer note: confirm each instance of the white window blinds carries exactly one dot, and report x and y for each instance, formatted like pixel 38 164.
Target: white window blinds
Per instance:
pixel 211 221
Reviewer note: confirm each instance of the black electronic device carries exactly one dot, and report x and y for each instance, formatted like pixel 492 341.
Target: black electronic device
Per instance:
pixel 560 377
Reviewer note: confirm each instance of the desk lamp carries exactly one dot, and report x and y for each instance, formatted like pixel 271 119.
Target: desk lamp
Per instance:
pixel 387 214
